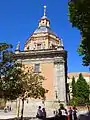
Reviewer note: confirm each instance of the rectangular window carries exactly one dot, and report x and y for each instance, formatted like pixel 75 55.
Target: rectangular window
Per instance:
pixel 38 46
pixel 37 68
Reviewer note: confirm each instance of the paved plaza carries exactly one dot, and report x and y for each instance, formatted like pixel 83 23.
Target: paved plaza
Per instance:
pixel 12 114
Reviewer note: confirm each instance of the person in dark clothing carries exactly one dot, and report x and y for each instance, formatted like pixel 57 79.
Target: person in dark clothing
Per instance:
pixel 59 112
pixel 74 113
pixel 39 113
pixel 70 113
pixel 44 113
pixel 62 112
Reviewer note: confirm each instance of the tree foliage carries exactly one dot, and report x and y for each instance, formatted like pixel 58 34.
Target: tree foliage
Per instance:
pixel 79 16
pixel 10 85
pixel 32 86
pixel 73 87
pixel 82 90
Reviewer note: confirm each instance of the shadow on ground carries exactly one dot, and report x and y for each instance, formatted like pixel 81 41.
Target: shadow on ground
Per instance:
pixel 34 118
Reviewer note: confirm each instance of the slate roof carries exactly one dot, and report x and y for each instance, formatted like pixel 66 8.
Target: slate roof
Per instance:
pixel 43 29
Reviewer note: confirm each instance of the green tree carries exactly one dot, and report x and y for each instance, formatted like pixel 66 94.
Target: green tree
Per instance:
pixel 10 85
pixel 82 90
pixel 73 101
pixel 32 86
pixel 79 16
pixel 73 87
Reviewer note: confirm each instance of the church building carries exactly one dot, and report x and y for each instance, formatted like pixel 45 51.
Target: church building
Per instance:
pixel 44 51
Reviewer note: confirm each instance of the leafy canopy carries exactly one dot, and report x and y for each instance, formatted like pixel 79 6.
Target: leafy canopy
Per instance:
pixel 10 84
pixel 82 90
pixel 79 16
pixel 32 84
pixel 73 87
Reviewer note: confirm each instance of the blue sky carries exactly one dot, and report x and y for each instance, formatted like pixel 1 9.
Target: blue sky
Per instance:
pixel 19 19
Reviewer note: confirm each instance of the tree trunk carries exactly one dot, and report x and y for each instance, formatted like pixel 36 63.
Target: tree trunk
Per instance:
pixel 18 109
pixel 22 109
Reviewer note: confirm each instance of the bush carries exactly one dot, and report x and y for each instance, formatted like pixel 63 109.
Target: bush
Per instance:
pixel 74 101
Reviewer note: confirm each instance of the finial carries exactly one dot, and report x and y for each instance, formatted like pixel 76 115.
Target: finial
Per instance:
pixel 18 47
pixel 62 43
pixel 45 10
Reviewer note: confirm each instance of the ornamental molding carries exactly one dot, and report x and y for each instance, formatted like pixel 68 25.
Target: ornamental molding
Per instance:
pixel 40 54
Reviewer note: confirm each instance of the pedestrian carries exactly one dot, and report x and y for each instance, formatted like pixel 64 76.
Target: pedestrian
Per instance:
pixel 74 113
pixel 39 113
pixel 70 113
pixel 59 112
pixel 62 112
pixel 44 113
pixel 88 113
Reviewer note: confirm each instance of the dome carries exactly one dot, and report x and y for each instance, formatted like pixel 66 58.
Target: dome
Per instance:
pixel 44 17
pixel 44 25
pixel 43 29
pixel 43 37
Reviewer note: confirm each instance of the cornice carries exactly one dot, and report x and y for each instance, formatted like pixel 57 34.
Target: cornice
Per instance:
pixel 41 54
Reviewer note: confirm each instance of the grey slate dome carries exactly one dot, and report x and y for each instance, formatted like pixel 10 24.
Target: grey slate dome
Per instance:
pixel 44 17
pixel 44 26
pixel 43 29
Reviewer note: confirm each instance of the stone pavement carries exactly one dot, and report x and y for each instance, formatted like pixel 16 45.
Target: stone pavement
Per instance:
pixel 7 115
pixel 12 114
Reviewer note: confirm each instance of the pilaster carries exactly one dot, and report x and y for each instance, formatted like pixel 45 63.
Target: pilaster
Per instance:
pixel 59 80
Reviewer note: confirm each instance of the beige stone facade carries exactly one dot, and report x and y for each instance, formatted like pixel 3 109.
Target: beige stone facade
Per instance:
pixel 44 52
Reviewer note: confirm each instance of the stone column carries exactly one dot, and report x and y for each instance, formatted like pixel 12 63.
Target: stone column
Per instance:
pixel 59 80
